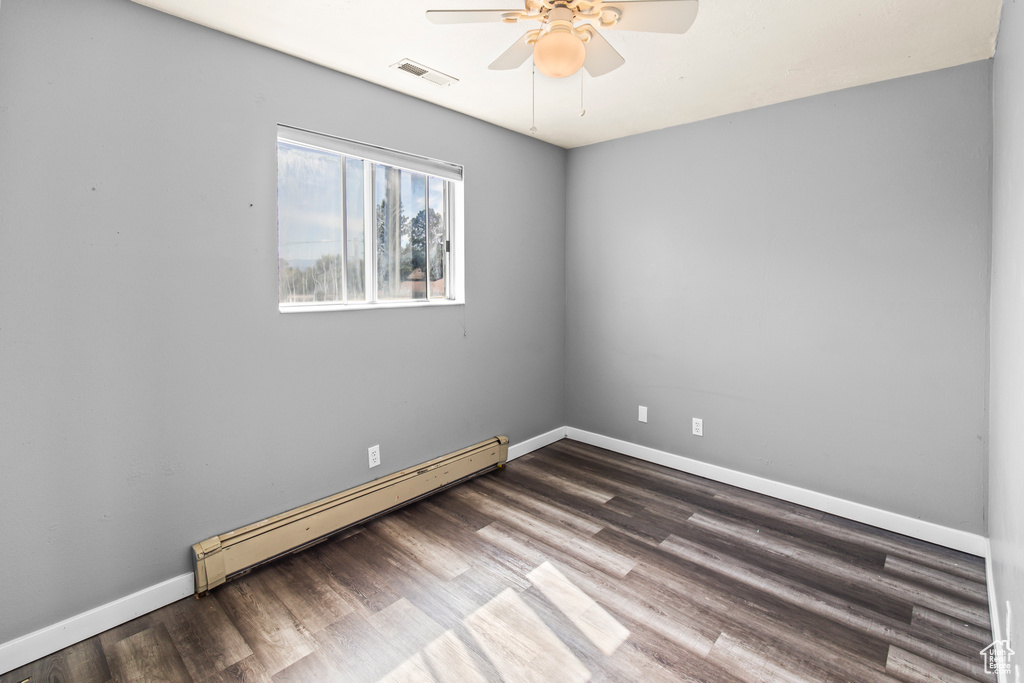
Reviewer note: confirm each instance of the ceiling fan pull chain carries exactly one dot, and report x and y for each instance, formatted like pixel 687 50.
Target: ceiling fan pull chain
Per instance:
pixel 583 112
pixel 533 98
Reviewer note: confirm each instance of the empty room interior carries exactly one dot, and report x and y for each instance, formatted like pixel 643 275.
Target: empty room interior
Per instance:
pixel 702 361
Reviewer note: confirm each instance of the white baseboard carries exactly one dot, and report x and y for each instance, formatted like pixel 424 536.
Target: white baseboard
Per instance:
pixel 45 641
pixel 993 606
pixel 540 441
pixel 901 524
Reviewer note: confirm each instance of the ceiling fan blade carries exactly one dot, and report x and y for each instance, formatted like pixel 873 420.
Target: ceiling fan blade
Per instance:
pixel 515 55
pixel 655 16
pixel 466 16
pixel 601 56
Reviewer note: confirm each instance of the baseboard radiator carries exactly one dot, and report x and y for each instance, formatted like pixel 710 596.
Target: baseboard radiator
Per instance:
pixel 234 553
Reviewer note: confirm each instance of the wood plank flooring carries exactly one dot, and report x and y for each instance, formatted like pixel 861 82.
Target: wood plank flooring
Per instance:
pixel 571 564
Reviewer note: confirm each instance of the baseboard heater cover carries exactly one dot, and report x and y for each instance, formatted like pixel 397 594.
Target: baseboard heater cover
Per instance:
pixel 224 557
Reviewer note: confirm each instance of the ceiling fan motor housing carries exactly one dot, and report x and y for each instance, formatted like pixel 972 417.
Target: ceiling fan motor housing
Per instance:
pixel 559 51
pixel 560 47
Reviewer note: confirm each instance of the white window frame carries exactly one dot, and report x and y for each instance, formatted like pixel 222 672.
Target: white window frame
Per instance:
pixel 452 173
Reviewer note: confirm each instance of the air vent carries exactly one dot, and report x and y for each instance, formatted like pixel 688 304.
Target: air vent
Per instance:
pixel 426 73
pixel 412 68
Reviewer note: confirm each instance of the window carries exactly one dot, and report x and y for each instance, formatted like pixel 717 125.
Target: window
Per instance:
pixel 360 226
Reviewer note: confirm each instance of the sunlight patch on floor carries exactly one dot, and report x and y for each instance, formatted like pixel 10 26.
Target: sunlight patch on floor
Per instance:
pixel 445 659
pixel 519 643
pixel 589 617
pixel 514 639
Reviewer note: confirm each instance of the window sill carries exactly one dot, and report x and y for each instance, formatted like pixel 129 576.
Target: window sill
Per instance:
pixel 380 305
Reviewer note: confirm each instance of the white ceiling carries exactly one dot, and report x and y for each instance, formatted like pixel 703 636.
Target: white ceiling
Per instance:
pixel 739 54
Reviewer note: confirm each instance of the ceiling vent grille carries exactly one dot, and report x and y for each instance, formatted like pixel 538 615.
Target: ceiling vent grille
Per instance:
pixel 424 72
pixel 412 68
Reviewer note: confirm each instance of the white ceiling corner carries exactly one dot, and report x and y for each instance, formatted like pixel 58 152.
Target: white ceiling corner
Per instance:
pixel 738 55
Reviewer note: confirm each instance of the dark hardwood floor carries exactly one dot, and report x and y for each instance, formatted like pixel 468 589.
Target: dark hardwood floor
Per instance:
pixel 572 564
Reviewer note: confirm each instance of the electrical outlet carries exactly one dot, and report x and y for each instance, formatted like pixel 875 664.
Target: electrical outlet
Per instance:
pixel 643 414
pixel 374 452
pixel 698 426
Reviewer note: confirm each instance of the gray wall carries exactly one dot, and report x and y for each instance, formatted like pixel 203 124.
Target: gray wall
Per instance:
pixel 810 278
pixel 150 393
pixel 1006 424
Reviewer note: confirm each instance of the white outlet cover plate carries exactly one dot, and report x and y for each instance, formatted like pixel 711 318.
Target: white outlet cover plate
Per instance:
pixel 698 426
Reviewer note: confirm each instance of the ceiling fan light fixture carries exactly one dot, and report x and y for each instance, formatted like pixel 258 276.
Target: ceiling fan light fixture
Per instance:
pixel 559 53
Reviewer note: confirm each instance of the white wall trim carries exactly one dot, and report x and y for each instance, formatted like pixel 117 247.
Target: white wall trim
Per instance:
pixel 539 441
pixel 892 521
pixel 45 641
pixel 50 639
pixel 993 605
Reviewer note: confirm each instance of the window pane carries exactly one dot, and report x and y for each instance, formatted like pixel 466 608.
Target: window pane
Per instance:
pixel 436 238
pixel 400 201
pixel 354 229
pixel 387 203
pixel 414 236
pixel 309 224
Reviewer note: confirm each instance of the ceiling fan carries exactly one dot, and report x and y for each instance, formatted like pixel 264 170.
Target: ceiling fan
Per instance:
pixel 568 37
